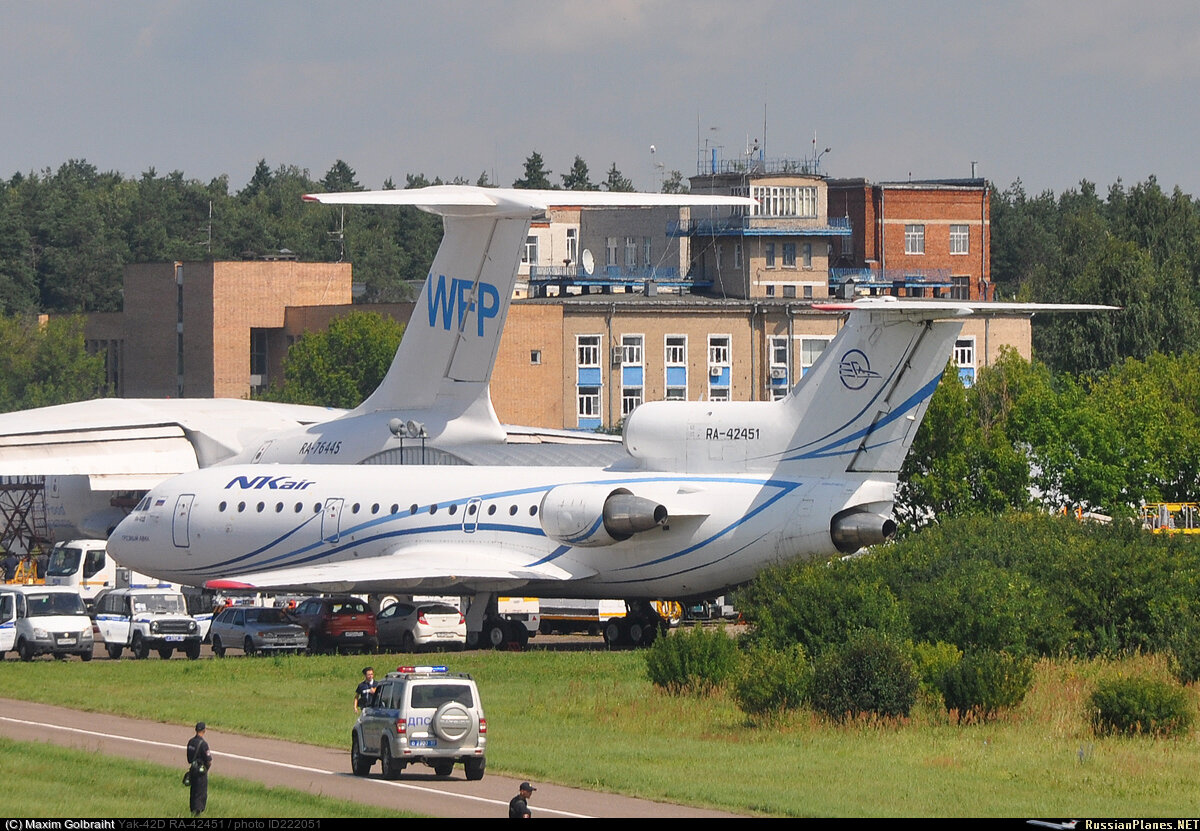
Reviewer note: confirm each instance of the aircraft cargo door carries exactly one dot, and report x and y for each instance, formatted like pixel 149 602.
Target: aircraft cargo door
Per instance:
pixel 179 525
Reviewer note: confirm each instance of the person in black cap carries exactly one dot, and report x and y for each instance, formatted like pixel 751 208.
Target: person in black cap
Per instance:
pixel 200 760
pixel 518 807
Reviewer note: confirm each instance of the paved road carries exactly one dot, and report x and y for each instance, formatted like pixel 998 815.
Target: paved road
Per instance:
pixel 315 769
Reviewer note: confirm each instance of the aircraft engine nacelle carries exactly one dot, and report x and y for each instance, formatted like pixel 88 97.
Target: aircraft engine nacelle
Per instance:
pixel 852 530
pixel 592 515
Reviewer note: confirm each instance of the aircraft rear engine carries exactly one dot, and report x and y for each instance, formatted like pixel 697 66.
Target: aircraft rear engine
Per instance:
pixel 592 515
pixel 852 530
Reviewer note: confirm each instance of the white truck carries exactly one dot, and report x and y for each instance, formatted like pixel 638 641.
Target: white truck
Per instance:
pixel 36 620
pixel 85 566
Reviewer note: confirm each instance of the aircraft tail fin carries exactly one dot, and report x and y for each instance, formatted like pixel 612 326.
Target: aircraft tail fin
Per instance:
pixel 445 359
pixel 858 408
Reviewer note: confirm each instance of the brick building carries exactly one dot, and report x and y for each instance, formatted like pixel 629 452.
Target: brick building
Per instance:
pixel 913 239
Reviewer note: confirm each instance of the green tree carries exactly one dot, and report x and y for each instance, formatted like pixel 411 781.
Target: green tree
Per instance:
pixel 536 177
pixel 615 182
pixel 578 179
pixel 341 366
pixel 43 363
pixel 675 183
pixel 340 177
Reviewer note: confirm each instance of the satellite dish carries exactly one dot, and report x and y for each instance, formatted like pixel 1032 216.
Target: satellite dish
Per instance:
pixel 589 262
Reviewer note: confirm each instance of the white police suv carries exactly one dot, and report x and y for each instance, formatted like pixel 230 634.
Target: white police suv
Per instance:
pixel 421 714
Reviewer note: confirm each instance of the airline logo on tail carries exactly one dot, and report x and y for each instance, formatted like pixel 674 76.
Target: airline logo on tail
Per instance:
pixel 442 301
pixel 855 370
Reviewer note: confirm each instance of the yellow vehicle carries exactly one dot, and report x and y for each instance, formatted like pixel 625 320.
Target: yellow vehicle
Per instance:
pixel 1171 517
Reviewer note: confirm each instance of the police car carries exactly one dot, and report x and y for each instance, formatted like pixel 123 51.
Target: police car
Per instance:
pixel 421 714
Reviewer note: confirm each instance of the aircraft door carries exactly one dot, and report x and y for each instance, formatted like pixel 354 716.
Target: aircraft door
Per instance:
pixel 331 520
pixel 471 515
pixel 183 516
pixel 8 622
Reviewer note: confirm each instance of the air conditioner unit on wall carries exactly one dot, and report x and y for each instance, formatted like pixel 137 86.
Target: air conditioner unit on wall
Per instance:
pixel 778 372
pixel 616 356
pixel 714 372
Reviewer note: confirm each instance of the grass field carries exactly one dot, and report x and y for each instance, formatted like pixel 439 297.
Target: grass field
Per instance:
pixel 591 719
pixel 44 781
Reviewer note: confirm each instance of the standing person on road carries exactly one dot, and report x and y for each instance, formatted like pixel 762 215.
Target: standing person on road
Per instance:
pixel 518 807
pixel 364 691
pixel 200 759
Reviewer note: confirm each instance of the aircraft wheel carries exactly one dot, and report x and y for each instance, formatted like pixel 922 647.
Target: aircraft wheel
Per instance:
pixel 495 633
pixel 615 632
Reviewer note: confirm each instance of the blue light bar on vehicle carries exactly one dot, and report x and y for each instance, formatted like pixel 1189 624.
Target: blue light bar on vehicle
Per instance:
pixel 423 669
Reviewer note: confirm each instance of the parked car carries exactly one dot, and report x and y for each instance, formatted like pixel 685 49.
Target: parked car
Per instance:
pixel 411 626
pixel 421 714
pixel 335 623
pixel 145 619
pixel 255 629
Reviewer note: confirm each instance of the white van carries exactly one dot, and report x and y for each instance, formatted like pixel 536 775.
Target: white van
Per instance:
pixel 86 566
pixel 36 620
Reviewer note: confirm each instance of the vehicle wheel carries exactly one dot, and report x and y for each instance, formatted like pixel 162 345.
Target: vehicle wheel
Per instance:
pixel 637 631
pixel 360 764
pixel 24 650
pixel 218 647
pixel 139 647
pixel 614 632
pixel 475 768
pixel 522 635
pixel 452 722
pixel 192 650
pixel 114 650
pixel 165 652
pixel 444 768
pixel 389 767
pixel 248 647
pixel 407 644
pixel 85 656
pixel 650 635
pixel 495 633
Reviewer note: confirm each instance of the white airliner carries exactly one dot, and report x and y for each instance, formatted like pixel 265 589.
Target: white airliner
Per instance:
pixel 706 495
pixel 435 394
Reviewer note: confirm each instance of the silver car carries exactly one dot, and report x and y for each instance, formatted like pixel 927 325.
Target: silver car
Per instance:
pixel 409 626
pixel 255 629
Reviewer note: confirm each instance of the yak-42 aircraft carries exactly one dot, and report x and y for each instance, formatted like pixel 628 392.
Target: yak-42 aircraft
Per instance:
pixel 706 495
pixel 435 395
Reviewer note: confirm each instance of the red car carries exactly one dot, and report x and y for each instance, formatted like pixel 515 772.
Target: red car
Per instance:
pixel 337 623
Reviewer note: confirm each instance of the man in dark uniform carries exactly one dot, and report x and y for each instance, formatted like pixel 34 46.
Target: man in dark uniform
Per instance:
pixel 518 807
pixel 200 759
pixel 364 691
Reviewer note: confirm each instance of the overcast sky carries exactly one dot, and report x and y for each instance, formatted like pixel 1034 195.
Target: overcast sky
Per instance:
pixel 1051 92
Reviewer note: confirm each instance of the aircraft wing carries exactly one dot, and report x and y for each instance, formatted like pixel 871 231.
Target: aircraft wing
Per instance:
pixel 133 443
pixel 408 568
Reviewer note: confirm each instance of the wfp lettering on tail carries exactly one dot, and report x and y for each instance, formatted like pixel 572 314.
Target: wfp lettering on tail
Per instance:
pixel 459 295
